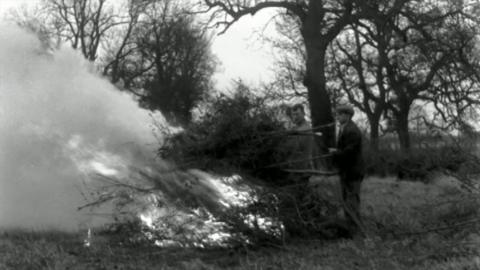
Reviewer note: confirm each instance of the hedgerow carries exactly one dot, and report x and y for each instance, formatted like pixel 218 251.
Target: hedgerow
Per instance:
pixel 449 154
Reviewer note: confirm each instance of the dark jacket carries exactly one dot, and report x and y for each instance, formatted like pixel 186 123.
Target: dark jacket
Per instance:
pixel 348 158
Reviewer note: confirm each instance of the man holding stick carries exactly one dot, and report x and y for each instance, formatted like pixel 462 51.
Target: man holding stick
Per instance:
pixel 302 145
pixel 349 160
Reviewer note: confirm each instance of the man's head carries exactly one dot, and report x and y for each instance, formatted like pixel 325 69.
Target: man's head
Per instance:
pixel 344 113
pixel 298 114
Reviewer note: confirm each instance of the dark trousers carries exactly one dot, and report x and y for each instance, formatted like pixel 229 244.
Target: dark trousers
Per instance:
pixel 351 200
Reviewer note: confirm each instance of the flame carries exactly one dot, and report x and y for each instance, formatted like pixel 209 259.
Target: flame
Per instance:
pixel 102 168
pixel 87 242
pixel 232 194
pixel 94 158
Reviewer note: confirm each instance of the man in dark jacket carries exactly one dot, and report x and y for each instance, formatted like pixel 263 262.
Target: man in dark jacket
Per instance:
pixel 349 161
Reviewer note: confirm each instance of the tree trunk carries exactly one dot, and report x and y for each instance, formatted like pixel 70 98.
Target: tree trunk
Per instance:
pixel 403 132
pixel 315 80
pixel 374 134
pixel 319 99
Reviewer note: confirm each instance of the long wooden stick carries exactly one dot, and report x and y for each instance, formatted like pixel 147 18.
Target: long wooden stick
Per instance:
pixel 312 172
pixel 297 161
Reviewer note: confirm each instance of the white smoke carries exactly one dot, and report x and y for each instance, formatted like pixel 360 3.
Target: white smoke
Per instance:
pixel 59 122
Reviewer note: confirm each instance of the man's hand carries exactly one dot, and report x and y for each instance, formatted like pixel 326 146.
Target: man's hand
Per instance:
pixel 332 150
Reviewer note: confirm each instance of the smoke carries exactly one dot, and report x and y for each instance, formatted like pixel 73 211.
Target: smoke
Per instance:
pixel 59 123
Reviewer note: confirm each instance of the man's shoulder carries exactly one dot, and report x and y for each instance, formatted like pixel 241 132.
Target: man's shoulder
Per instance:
pixel 351 127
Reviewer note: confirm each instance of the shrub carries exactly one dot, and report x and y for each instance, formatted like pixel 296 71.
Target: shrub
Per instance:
pixel 450 154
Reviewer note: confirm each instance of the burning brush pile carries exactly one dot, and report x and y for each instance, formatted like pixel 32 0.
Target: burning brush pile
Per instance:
pixel 198 209
pixel 182 209
pixel 221 190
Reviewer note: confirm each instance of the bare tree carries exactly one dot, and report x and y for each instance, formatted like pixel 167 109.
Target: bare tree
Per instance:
pixel 94 27
pixel 120 43
pixel 424 52
pixel 426 40
pixel 82 22
pixel 151 48
pixel 290 57
pixel 360 75
pixel 320 23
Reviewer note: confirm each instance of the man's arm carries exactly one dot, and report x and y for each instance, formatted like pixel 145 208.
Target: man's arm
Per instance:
pixel 353 140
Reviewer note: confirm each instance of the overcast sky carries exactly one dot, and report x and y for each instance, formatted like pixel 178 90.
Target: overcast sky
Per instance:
pixel 240 53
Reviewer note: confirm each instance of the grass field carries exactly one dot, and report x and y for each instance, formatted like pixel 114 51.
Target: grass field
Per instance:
pixel 411 225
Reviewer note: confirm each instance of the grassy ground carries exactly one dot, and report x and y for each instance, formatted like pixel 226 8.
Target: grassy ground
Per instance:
pixel 410 225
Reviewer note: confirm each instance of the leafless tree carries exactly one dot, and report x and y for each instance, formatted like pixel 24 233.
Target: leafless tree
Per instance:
pixel 360 75
pixel 320 23
pixel 151 48
pixel 386 64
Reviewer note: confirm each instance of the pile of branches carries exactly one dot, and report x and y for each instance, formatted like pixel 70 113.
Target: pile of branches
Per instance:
pixel 269 216
pixel 242 134
pixel 277 214
pixel 239 133
pixel 305 212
